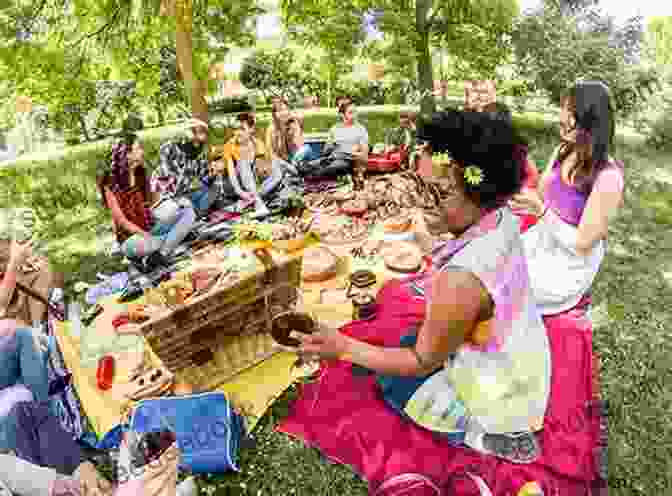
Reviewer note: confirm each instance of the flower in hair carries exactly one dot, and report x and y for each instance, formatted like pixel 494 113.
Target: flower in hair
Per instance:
pixel 440 158
pixel 473 175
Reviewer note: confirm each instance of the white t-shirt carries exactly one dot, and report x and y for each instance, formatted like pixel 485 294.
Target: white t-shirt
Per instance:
pixel 346 137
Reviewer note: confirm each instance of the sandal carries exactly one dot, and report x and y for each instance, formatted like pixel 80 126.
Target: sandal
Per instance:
pixel 519 448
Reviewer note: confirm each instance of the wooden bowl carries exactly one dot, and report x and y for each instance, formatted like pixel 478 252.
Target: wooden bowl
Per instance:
pixel 285 323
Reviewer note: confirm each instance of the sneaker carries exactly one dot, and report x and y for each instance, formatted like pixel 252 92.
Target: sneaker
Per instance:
pixel 187 487
pixel 155 261
pixel 520 448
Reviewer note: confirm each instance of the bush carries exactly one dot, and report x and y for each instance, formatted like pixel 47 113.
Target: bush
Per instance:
pixel 654 120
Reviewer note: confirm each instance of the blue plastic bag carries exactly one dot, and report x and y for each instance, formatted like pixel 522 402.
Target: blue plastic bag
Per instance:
pixel 207 429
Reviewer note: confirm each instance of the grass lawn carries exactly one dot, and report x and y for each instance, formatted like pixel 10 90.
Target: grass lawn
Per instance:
pixel 633 307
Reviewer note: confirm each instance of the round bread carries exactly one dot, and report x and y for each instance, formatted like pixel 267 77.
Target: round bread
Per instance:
pixel 283 325
pixel 319 264
pixel 355 207
pixel 402 257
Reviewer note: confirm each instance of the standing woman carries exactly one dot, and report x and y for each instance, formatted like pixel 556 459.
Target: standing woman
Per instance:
pixel 579 194
pixel 125 191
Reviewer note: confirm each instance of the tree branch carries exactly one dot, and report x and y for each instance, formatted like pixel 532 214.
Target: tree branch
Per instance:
pixel 99 31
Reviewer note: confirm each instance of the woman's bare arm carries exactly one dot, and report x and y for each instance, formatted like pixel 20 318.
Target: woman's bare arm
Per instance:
pixel 602 206
pixel 8 286
pixel 457 301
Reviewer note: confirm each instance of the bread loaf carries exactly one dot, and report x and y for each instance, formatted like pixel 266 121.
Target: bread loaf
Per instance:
pixel 402 257
pixel 319 264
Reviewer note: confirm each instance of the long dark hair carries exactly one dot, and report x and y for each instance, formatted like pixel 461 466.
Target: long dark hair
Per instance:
pixel 114 172
pixel 591 105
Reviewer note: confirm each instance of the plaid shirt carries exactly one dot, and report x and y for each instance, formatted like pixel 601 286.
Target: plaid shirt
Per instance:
pixel 177 174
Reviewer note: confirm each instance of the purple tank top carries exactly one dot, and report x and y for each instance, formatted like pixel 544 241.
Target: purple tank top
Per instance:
pixel 565 200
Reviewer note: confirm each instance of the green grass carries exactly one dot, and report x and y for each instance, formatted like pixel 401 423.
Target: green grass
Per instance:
pixel 632 312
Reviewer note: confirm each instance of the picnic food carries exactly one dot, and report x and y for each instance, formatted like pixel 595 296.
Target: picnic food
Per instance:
pixel 402 257
pixel 105 373
pixel 398 224
pixel 294 227
pixel 154 382
pixel 355 207
pixel 319 264
pixel 284 324
pixel 346 232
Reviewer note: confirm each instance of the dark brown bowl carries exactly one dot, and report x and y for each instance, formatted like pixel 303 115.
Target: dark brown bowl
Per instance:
pixel 284 323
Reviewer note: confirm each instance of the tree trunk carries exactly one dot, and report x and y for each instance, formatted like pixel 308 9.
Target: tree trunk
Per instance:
pixel 425 81
pixel 82 124
pixel 196 90
pixel 159 113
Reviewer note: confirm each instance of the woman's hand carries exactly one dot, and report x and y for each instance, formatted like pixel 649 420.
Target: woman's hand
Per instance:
pixel 528 201
pixel 327 343
pixel 92 483
pixel 20 252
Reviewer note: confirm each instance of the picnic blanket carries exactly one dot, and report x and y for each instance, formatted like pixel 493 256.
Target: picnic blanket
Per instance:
pixel 346 418
pixel 253 390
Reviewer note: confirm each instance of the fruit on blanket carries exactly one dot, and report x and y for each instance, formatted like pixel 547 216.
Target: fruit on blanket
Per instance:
pixel 105 373
pixel 319 264
pixel 182 389
pixel 398 224
pixel 482 333
pixel 531 489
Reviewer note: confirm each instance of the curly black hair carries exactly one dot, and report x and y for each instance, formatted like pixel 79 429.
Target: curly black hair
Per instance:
pixel 483 140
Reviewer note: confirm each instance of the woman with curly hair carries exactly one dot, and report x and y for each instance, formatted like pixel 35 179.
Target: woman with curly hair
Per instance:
pixel 578 195
pixel 145 236
pixel 477 369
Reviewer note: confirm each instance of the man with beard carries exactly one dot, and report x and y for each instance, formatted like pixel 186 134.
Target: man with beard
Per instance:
pixel 183 173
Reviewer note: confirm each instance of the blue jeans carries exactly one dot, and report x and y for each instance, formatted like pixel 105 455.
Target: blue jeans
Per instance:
pixel 397 390
pixel 203 199
pixel 166 234
pixel 22 363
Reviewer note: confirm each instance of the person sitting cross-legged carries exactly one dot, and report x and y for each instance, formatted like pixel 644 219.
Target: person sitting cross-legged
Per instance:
pixel 146 236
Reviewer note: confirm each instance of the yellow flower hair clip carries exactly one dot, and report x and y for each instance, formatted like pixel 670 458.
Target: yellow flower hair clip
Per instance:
pixel 473 175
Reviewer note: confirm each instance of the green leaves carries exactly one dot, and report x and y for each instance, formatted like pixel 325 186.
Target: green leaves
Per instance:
pixel 553 51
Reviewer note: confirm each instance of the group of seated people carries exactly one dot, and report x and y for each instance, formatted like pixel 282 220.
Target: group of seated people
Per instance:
pixel 153 215
pixel 489 395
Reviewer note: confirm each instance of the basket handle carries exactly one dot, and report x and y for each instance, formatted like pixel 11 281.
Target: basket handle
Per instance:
pixel 265 257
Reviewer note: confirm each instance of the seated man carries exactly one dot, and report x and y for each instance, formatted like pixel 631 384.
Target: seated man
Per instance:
pixel 347 149
pixel 402 135
pixel 183 172
pixel 481 96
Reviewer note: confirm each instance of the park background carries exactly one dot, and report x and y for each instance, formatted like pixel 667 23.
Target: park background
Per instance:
pixel 73 70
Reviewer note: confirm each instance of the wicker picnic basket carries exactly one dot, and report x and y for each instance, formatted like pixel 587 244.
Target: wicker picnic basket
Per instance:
pixel 222 333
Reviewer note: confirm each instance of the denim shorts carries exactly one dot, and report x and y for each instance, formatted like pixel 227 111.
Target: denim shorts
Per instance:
pixel 398 390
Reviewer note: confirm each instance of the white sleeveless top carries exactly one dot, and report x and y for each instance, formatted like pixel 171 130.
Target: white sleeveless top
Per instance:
pixel 504 386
